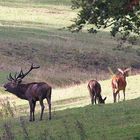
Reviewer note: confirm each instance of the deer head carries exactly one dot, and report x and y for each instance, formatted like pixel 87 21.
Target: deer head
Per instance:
pixel 17 79
pixel 102 101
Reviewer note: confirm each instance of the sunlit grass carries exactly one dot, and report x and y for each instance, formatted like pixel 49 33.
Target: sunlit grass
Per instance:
pixel 50 16
pixel 132 91
pixel 34 3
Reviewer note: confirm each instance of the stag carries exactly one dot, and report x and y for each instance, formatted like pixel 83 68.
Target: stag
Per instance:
pixel 119 83
pixel 95 92
pixel 32 92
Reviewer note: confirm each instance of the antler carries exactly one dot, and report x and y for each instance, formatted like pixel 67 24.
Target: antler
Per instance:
pixel 10 78
pixel 21 75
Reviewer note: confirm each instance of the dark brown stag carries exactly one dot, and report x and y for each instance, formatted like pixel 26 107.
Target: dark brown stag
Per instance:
pixel 36 91
pixel 95 92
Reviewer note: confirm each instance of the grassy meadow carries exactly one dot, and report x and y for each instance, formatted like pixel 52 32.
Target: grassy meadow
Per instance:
pixel 35 31
pixel 109 122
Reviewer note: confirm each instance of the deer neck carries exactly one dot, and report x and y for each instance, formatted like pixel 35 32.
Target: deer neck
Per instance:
pixel 100 99
pixel 124 77
pixel 20 92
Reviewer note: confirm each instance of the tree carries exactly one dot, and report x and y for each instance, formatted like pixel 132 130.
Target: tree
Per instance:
pixel 121 16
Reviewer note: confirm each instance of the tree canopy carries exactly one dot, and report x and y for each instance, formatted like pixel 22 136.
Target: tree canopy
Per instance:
pixel 121 16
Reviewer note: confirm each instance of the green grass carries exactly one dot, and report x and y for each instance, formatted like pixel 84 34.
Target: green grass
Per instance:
pixel 3 74
pixel 110 122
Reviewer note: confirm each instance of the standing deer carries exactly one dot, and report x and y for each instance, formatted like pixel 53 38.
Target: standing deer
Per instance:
pixel 119 83
pixel 36 91
pixel 95 92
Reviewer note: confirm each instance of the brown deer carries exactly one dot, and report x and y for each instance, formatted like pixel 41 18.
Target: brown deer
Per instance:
pixel 95 92
pixel 36 91
pixel 119 83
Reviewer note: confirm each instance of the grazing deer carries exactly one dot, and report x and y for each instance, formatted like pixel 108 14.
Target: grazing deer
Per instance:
pixel 95 92
pixel 119 83
pixel 36 91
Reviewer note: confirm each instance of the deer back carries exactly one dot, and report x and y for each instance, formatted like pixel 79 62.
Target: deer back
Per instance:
pixel 94 87
pixel 37 90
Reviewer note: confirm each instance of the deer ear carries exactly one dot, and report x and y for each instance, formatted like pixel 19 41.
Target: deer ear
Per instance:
pixel 128 69
pixel 120 70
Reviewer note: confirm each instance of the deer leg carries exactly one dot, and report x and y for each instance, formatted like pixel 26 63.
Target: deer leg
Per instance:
pixel 49 104
pixel 95 98
pixel 34 104
pixel 92 100
pixel 42 108
pixel 124 94
pixel 31 110
pixel 114 96
pixel 118 96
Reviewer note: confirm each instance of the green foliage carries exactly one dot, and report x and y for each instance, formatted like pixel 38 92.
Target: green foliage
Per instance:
pixel 122 16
